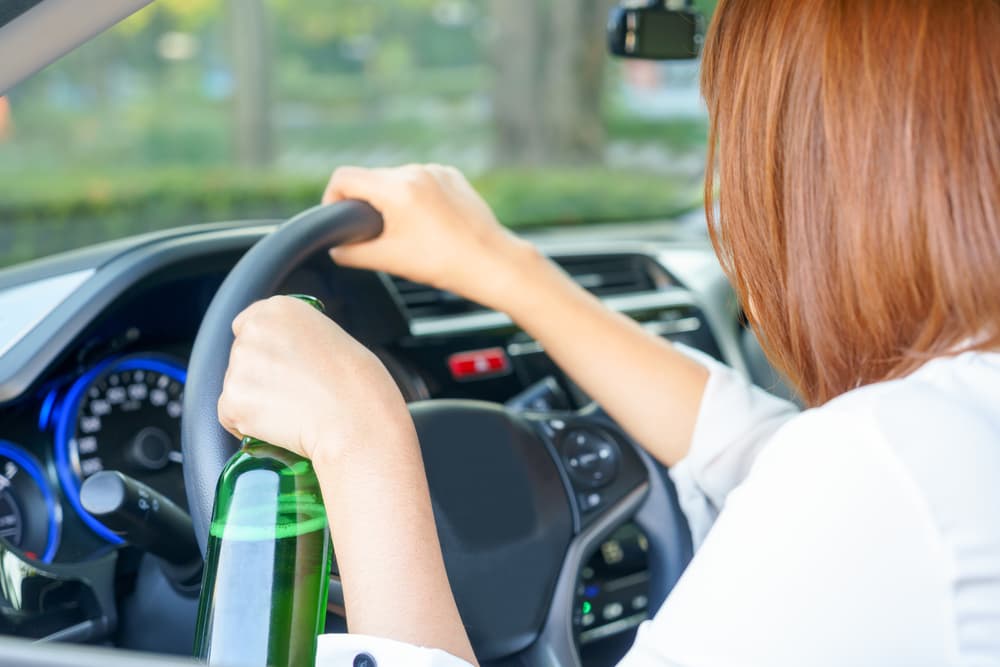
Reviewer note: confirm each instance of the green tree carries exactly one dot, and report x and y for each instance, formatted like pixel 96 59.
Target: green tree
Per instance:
pixel 249 43
pixel 548 61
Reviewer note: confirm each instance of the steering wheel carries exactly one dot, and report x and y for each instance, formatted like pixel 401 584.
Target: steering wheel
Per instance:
pixel 521 499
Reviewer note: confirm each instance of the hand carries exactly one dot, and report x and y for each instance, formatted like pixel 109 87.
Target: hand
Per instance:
pixel 438 231
pixel 299 381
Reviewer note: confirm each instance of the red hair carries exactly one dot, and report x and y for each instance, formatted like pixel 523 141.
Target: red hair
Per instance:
pixel 857 151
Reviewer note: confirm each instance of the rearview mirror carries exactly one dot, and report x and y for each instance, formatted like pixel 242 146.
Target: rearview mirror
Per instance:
pixel 655 32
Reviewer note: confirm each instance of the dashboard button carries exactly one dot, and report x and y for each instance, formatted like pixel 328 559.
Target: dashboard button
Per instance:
pixel 479 364
pixel 591 457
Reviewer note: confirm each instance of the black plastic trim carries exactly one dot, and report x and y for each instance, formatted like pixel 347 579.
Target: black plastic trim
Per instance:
pixel 652 504
pixel 28 359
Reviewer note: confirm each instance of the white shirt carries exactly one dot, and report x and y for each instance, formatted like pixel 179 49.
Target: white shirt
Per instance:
pixel 862 532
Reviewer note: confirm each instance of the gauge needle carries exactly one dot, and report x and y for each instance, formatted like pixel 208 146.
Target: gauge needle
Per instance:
pixel 176 457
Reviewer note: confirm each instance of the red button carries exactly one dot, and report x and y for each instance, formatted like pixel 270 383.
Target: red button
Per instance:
pixel 478 364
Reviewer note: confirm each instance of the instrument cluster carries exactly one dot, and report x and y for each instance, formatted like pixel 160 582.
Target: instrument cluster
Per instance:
pixel 124 414
pixel 23 487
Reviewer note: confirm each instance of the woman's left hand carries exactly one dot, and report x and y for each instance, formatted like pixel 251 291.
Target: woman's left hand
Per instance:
pixel 299 381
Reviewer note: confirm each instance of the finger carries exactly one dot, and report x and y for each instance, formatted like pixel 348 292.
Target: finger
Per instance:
pixel 248 313
pixel 448 175
pixel 224 419
pixel 231 429
pixel 372 254
pixel 352 256
pixel 442 170
pixel 240 321
pixel 233 432
pixel 354 183
pixel 242 406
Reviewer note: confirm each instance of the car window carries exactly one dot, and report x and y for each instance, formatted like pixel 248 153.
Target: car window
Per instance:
pixel 203 110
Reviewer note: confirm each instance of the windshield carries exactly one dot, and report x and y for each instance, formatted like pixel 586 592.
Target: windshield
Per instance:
pixel 194 111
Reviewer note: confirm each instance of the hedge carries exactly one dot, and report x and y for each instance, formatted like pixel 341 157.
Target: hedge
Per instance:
pixel 62 212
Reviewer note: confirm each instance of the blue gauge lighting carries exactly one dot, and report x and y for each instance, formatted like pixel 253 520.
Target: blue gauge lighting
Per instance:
pixel 45 414
pixel 66 424
pixel 27 463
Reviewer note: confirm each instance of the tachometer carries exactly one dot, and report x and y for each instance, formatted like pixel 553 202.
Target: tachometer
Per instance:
pixel 29 514
pixel 124 415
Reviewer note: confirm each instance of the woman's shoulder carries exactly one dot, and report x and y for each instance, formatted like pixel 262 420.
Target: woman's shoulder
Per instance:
pixel 945 398
pixel 936 432
pixel 930 444
pixel 945 415
pixel 941 424
pixel 960 380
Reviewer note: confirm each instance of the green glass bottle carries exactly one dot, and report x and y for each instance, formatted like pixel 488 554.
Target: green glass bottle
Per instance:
pixel 264 591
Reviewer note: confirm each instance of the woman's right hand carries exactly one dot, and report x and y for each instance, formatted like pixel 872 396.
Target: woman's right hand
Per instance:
pixel 438 231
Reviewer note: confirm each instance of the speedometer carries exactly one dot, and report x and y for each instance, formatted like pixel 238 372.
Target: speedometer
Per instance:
pixel 124 415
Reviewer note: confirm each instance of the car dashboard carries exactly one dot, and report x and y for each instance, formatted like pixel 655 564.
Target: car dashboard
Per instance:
pixel 93 350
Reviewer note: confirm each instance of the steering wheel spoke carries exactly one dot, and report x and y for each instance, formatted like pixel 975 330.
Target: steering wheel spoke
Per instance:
pixel 600 464
pixel 611 480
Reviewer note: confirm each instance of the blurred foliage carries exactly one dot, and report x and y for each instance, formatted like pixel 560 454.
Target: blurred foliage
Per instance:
pixel 707 7
pixel 88 208
pixel 520 197
pixel 118 139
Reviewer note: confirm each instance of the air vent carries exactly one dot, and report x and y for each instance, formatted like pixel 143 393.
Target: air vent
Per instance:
pixel 603 275
pixel 423 301
pixel 609 275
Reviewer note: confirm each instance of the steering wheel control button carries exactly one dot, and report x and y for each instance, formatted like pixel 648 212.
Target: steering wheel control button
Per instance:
pixel 590 456
pixel 611 611
pixel 551 427
pixel 364 660
pixel 590 501
pixel 479 364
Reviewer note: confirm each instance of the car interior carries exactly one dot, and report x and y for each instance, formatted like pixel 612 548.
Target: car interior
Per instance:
pixel 560 534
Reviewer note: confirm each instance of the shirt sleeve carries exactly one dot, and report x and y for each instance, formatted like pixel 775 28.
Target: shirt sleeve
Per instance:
pixel 827 555
pixel 734 421
pixel 365 651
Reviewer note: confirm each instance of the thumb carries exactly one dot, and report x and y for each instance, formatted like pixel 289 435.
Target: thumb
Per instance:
pixel 356 255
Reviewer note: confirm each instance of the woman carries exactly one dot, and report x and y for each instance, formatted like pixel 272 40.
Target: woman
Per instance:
pixel 858 154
